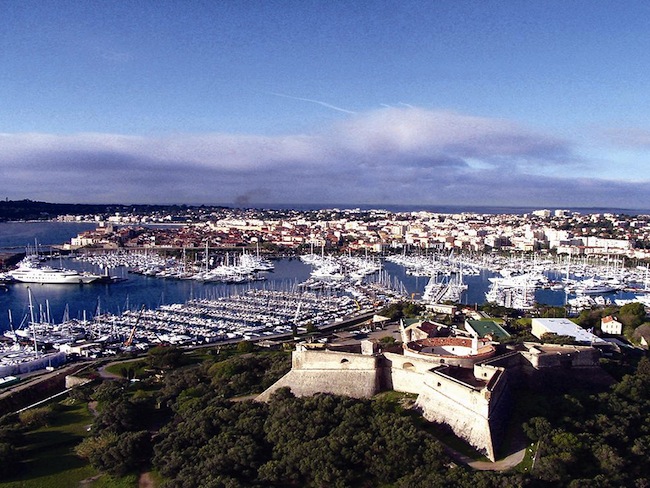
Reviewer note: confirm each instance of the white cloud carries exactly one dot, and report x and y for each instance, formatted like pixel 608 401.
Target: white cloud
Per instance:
pixel 390 155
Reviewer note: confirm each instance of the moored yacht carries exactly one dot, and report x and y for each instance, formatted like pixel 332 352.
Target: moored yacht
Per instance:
pixel 29 272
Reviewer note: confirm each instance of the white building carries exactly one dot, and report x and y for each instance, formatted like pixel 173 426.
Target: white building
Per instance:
pixel 609 325
pixel 564 327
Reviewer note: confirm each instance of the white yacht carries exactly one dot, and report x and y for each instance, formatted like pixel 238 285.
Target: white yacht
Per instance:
pixel 30 272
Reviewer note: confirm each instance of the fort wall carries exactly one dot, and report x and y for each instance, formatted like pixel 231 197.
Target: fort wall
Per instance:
pixel 552 356
pixel 405 373
pixel 473 401
pixel 340 373
pixel 439 405
pixel 455 351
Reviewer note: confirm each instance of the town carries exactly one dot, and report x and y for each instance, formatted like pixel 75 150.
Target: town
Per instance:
pixel 466 368
pixel 558 231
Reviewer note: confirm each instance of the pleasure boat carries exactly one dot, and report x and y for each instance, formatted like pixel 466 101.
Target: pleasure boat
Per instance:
pixel 30 272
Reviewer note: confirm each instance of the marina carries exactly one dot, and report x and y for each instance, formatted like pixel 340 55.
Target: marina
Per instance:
pixel 466 280
pixel 139 298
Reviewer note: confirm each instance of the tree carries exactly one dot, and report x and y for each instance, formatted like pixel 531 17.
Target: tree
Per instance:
pixel 245 347
pixel 121 415
pixel 643 368
pixel 553 338
pixel 116 454
pixel 10 458
pixel 108 390
pixel 387 340
pixel 632 314
pixel 537 428
pixel 164 357
pixel 35 417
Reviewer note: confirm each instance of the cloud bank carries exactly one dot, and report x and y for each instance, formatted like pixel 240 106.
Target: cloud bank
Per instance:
pixel 394 155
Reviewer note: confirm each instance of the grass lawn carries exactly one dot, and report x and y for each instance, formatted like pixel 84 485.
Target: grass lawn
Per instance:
pixel 526 465
pixel 48 453
pixel 106 481
pixel 49 460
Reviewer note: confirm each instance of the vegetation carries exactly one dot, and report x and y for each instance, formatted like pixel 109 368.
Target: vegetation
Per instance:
pixel 324 440
pixel 187 429
pixel 403 309
pixel 44 456
pixel 32 210
pixel 164 357
pixel 597 440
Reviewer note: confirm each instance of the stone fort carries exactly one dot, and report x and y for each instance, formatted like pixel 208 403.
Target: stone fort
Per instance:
pixel 462 382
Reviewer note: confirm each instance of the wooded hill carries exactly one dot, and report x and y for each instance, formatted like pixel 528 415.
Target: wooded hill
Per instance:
pixel 31 210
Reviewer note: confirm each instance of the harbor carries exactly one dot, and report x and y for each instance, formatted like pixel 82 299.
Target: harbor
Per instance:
pixel 99 303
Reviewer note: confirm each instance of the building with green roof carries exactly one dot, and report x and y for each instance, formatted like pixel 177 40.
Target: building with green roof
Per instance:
pixel 485 328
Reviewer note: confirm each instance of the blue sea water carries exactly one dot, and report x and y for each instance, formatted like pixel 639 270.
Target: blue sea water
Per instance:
pixel 454 209
pixel 17 236
pixel 133 292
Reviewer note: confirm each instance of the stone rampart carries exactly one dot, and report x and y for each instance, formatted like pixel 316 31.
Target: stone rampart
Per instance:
pixel 405 373
pixel 563 356
pixel 470 401
pixel 440 405
pixel 340 373
pixel 455 351
pixel 473 398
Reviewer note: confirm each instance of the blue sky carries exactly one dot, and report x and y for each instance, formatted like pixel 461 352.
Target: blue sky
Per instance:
pixel 535 103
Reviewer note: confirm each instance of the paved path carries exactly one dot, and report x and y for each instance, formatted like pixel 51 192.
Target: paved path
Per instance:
pixel 145 480
pixel 504 464
pixel 107 375
pixel 516 456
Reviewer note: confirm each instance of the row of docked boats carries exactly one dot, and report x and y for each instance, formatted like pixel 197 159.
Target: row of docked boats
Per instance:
pixel 338 272
pixel 241 268
pixel 517 279
pixel 250 314
pixel 444 288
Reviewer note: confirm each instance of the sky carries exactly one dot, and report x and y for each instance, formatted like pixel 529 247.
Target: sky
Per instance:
pixel 254 103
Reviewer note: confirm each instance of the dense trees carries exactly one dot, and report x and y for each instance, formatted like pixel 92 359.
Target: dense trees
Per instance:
pixel 119 442
pixel 404 309
pixel 204 439
pixel 631 316
pixel 9 436
pixel 599 440
pixel 324 440
pixel 164 357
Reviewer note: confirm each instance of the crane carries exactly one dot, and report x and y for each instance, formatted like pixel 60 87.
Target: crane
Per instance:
pixel 129 341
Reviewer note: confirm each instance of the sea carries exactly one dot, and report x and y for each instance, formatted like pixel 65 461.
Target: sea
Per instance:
pixel 454 209
pixel 133 291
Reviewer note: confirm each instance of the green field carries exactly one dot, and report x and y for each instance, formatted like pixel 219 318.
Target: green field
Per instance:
pixel 49 460
pixel 48 453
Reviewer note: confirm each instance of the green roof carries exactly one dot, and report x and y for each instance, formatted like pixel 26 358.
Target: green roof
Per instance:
pixel 488 327
pixel 409 322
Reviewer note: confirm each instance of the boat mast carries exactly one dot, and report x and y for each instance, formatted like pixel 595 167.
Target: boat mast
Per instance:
pixel 31 315
pixel 11 325
pixel 31 305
